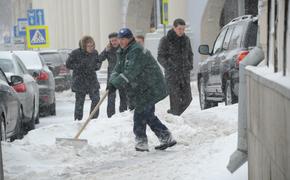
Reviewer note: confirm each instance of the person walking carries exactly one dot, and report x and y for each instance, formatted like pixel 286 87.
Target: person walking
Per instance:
pixel 176 57
pixel 138 71
pixel 84 62
pixel 140 39
pixel 110 53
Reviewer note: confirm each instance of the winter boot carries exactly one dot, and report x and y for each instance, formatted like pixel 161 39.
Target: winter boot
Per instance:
pixel 166 143
pixel 141 145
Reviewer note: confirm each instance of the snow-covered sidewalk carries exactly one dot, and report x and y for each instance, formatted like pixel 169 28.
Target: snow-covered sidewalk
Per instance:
pixel 205 141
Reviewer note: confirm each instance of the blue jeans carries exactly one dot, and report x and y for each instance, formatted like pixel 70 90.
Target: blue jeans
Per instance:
pixel 145 117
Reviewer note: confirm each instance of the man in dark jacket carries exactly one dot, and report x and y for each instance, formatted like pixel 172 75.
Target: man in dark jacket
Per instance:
pixel 84 62
pixel 176 57
pixel 110 53
pixel 138 71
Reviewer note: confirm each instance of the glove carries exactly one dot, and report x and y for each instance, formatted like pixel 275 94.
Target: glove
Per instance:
pixel 111 88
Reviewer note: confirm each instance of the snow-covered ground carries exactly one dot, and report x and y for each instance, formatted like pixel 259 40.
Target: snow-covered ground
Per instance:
pixel 206 139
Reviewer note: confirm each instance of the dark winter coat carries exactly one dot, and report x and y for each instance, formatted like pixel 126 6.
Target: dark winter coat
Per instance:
pixel 84 66
pixel 175 54
pixel 111 56
pixel 176 57
pixel 137 70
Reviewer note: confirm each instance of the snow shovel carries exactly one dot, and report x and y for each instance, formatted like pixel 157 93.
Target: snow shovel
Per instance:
pixel 76 141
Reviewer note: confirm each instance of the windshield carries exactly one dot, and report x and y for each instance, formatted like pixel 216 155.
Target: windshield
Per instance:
pixel 52 58
pixel 7 65
pixel 30 60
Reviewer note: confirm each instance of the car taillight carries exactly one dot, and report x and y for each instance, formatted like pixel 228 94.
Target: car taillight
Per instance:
pixel 20 88
pixel 42 76
pixel 63 70
pixel 241 56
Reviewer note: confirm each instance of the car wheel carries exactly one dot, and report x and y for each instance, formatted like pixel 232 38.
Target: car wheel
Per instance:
pixel 2 129
pixel 19 127
pixel 31 123
pixel 36 118
pixel 230 98
pixel 52 109
pixel 204 103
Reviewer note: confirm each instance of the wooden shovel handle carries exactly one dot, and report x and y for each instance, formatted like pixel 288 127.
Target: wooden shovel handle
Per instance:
pixel 91 115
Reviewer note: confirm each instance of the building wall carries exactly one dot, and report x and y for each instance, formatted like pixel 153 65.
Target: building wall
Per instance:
pixel 269 99
pixel 210 22
pixel 69 20
pixel 268 125
pixel 138 16
pixel 178 9
pixel 288 43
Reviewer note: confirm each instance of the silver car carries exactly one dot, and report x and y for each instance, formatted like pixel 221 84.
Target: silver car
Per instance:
pixel 44 78
pixel 27 91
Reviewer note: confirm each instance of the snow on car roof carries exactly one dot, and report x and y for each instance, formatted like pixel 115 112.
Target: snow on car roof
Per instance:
pixel 30 59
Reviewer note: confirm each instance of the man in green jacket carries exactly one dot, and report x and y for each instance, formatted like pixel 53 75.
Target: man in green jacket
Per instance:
pixel 139 73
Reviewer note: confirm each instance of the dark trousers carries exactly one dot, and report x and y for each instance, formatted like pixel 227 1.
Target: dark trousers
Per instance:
pixel 80 99
pixel 111 102
pixel 179 93
pixel 147 116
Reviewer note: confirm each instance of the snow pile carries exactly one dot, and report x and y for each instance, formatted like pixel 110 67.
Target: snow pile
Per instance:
pixel 205 141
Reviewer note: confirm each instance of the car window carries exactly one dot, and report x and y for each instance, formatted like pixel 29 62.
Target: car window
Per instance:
pixel 251 35
pixel 236 38
pixel 7 65
pixel 52 58
pixel 20 65
pixel 64 56
pixel 227 38
pixel 2 77
pixel 30 60
pixel 218 43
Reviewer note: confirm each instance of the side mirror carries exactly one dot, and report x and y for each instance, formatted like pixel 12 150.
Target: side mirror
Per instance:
pixel 35 74
pixel 16 80
pixel 204 50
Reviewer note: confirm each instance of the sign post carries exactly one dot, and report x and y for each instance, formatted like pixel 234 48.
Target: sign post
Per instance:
pixel 164 14
pixel 37 36
pixel 35 17
pixel 22 23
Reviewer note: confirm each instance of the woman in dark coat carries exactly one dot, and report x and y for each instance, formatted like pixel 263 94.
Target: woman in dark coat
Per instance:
pixel 84 62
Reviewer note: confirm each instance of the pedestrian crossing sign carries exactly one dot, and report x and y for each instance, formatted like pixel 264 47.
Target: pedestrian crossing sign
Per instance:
pixel 37 36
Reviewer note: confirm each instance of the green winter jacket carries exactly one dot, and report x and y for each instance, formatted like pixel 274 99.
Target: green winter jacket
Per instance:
pixel 139 73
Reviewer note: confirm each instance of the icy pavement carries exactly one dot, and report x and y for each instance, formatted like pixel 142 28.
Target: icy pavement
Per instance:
pixel 205 141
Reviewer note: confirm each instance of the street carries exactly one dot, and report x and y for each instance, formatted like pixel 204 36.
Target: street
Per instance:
pixel 205 141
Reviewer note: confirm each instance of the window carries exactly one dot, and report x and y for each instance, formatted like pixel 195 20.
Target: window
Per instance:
pixel 7 65
pixel 251 35
pixel 227 38
pixel 236 38
pixel 219 42
pixel 52 58
pixel 21 66
pixel 30 60
pixel 2 77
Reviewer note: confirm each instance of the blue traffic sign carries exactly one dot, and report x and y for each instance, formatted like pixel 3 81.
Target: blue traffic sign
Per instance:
pixel 37 36
pixel 35 17
pixel 7 39
pixel 15 31
pixel 22 23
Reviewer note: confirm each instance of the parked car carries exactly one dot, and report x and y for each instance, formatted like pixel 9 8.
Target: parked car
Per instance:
pixel 10 109
pixel 56 63
pixel 28 92
pixel 44 78
pixel 218 75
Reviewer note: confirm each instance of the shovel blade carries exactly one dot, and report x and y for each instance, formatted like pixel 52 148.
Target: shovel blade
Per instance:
pixel 71 142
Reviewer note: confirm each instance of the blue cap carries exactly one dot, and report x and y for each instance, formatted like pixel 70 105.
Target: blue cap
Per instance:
pixel 125 33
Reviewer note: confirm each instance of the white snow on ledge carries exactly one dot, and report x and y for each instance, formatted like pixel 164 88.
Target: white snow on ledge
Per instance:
pixel 270 79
